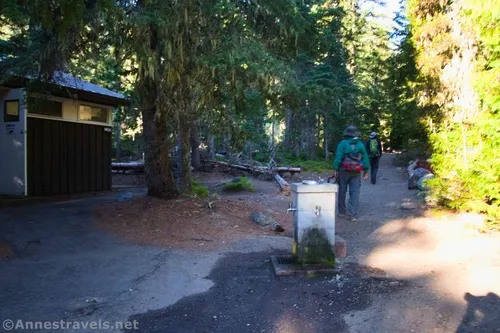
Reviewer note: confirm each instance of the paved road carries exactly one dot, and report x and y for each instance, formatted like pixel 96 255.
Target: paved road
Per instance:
pixel 65 268
pixel 247 297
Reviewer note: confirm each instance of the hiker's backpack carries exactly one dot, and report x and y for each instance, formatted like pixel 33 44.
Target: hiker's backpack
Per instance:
pixel 352 161
pixel 374 148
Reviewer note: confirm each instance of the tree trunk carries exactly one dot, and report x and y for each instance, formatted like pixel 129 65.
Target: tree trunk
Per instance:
pixel 325 138
pixel 211 146
pixel 118 140
pixel 272 155
pixel 226 144
pixel 310 139
pixel 184 158
pixel 185 125
pixel 318 143
pixel 157 168
pixel 195 147
pixel 288 129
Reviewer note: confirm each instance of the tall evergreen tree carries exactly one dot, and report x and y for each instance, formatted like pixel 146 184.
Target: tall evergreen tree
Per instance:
pixel 456 52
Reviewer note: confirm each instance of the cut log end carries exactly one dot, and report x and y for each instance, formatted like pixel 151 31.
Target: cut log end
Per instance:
pixel 283 184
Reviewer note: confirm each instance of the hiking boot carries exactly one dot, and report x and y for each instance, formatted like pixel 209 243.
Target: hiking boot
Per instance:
pixel 354 219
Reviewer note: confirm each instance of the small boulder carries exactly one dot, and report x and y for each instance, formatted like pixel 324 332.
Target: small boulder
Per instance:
pixel 261 219
pixel 415 176
pixel 266 221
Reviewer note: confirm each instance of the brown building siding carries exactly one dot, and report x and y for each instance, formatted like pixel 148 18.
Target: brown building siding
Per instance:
pixel 67 157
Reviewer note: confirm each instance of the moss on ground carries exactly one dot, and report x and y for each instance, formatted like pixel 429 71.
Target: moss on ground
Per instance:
pixel 239 184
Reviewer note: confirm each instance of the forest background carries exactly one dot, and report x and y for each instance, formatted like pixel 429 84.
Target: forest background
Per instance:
pixel 278 81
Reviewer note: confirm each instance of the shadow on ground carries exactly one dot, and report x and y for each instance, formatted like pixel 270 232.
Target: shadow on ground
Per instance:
pixel 247 297
pixel 482 314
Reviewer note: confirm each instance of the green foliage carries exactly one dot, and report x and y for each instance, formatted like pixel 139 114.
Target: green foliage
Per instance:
pixel 406 120
pixel 237 68
pixel 461 110
pixel 468 163
pixel 318 166
pixel 199 190
pixel 43 35
pixel 242 184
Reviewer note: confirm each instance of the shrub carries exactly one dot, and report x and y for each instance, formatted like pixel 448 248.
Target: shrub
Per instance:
pixel 239 184
pixel 468 179
pixel 199 190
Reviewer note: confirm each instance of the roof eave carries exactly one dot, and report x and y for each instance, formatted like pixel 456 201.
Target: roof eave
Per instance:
pixel 67 92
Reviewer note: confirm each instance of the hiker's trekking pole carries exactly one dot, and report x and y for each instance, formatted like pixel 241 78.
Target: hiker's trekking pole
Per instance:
pixel 334 179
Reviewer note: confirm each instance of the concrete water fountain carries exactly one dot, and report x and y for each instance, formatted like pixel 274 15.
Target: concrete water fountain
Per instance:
pixel 314 249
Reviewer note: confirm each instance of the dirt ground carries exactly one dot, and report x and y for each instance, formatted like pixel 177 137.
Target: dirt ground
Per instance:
pixel 189 222
pixel 185 222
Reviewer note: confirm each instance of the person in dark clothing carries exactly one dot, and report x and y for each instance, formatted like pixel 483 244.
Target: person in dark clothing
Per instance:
pixel 351 159
pixel 374 149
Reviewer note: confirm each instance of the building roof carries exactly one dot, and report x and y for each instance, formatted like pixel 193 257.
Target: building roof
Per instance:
pixel 66 85
pixel 70 81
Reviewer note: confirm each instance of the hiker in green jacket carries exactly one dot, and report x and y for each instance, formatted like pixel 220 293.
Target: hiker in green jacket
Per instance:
pixel 351 159
pixel 374 149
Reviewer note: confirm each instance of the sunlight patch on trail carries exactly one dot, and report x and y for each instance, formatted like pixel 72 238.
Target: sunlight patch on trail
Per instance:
pixel 453 258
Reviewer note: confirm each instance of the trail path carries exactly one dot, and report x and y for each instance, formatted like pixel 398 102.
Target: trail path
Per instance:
pixel 452 267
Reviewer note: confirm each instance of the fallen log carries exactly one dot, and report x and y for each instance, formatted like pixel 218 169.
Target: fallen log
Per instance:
pixel 291 170
pixel 275 172
pixel 124 166
pixel 236 166
pixel 259 169
pixel 283 184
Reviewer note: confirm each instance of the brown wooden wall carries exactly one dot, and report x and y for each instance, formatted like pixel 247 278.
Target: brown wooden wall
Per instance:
pixel 66 157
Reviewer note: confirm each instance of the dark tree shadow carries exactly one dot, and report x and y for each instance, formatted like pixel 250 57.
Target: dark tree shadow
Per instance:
pixel 247 297
pixel 482 315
